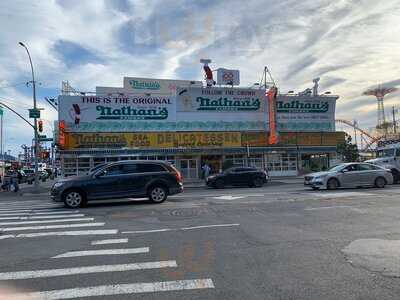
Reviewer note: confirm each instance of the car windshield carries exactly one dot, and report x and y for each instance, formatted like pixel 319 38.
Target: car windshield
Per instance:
pixel 98 167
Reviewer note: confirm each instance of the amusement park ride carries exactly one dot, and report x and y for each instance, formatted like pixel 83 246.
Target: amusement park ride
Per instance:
pixel 382 132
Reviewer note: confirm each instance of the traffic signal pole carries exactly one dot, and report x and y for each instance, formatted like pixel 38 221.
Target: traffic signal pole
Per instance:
pixel 35 128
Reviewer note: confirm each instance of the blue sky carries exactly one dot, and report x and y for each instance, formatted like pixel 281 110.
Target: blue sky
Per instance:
pixel 350 44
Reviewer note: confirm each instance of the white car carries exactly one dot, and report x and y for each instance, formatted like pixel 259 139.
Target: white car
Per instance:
pixel 350 175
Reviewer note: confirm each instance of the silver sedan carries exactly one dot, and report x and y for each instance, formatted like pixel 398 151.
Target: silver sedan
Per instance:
pixel 350 175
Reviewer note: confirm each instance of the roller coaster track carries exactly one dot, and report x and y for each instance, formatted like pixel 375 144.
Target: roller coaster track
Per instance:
pixel 372 139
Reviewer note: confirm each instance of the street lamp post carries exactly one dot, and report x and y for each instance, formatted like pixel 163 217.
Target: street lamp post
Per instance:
pixel 34 120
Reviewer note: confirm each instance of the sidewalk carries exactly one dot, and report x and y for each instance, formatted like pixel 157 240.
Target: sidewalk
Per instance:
pixel 29 190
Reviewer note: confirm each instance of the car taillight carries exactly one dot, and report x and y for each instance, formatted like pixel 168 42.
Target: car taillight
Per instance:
pixel 178 175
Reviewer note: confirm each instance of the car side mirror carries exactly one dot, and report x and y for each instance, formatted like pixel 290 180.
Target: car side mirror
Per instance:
pixel 344 171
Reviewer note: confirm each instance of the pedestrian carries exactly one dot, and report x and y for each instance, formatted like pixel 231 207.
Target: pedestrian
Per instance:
pixel 19 176
pixel 206 171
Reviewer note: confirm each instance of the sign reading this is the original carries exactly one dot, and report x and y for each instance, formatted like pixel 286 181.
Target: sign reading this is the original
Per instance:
pixel 77 109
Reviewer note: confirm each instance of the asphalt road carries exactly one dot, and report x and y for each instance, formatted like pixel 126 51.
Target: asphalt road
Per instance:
pixel 281 241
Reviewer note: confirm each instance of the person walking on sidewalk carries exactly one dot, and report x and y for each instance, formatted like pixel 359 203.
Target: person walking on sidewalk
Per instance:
pixel 206 171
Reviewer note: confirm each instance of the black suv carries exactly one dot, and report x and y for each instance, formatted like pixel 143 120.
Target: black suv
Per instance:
pixel 137 179
pixel 250 176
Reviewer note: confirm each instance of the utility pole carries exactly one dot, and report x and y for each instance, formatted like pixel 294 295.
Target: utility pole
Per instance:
pixel 36 160
pixel 394 120
pixel 1 131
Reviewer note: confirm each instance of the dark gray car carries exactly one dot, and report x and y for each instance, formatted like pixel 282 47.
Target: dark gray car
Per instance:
pixel 137 179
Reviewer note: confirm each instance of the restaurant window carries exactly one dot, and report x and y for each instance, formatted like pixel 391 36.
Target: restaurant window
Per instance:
pixel 256 161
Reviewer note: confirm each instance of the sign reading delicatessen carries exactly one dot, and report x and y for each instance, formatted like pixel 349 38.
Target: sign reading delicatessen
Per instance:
pixel 195 139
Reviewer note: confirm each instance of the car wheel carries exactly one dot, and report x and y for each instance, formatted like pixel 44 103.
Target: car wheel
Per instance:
pixel 332 184
pixel 157 194
pixel 258 182
pixel 380 182
pixel 73 199
pixel 219 184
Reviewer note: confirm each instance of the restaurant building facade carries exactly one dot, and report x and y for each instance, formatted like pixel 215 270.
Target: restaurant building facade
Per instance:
pixel 190 125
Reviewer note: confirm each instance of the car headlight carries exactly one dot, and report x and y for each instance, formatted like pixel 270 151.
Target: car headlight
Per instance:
pixel 58 184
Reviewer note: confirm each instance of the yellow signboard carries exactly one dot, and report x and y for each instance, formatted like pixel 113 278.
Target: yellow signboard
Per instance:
pixel 311 138
pixel 254 139
pixel 153 140
pixel 197 139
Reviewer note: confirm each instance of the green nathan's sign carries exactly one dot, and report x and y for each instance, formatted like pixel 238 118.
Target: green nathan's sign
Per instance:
pixel 227 104
pixel 144 85
pixel 131 113
pixel 220 100
pixel 297 106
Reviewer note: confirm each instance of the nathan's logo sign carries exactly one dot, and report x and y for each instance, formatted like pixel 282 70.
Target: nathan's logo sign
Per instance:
pixel 144 85
pixel 98 140
pixel 227 104
pixel 297 106
pixel 131 113
pixel 219 99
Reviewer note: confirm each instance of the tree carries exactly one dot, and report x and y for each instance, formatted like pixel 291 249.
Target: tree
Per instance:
pixel 348 150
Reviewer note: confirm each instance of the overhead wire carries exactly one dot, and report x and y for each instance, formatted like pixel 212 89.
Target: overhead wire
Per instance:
pixel 13 85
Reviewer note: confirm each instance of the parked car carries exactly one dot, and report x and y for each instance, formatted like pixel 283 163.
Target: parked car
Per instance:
pixel 238 176
pixel 350 175
pixel 136 179
pixel 30 175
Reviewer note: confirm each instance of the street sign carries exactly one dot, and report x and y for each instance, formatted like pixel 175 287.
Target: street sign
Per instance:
pixel 43 138
pixel 34 113
pixel 46 140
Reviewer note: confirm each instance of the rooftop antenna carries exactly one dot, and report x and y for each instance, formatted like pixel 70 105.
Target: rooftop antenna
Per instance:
pixel 67 89
pixel 315 87
pixel 263 81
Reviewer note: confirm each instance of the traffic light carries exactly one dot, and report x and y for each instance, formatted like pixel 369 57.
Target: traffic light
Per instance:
pixel 40 126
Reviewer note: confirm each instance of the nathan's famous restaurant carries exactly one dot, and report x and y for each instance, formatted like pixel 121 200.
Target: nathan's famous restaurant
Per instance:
pixel 189 125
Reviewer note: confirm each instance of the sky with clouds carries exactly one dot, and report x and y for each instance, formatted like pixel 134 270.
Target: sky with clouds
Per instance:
pixel 351 44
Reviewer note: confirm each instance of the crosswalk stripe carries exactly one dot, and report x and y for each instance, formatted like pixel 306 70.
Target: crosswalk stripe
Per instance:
pixel 110 241
pixel 46 221
pixel 22 202
pixel 30 206
pixel 61 233
pixel 40 213
pixel 127 288
pixel 87 270
pixel 44 209
pixel 103 252
pixel 42 217
pixel 6 229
